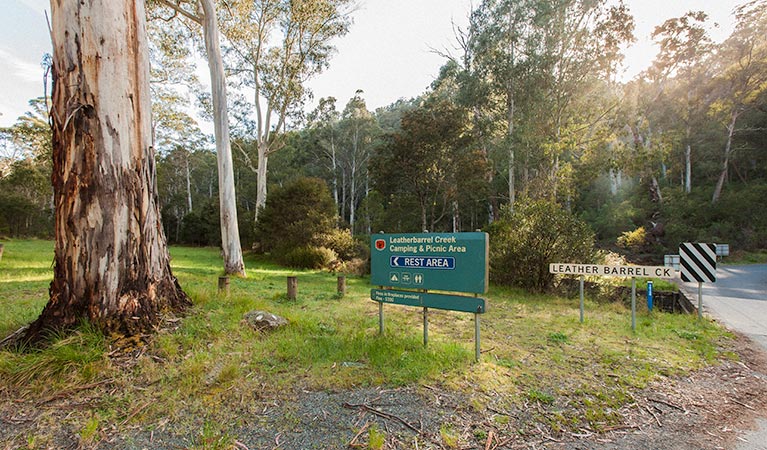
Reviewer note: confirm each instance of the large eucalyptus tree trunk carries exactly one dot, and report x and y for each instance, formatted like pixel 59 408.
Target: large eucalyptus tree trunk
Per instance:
pixel 111 261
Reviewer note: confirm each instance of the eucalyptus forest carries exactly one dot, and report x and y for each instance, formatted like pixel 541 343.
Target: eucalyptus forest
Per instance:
pixel 527 108
pixel 176 208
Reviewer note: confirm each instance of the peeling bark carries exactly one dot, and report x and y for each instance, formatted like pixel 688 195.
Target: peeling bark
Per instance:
pixel 111 263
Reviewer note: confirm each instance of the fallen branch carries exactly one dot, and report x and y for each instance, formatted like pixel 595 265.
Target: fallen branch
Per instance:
pixel 489 440
pixel 653 415
pixel 382 414
pixel 135 411
pixel 69 392
pixel 13 337
pixel 743 404
pixel 353 443
pixel 671 405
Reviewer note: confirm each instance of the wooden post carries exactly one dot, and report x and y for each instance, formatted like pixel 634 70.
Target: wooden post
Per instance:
pixel 223 285
pixel 292 288
pixel 341 285
pixel 1 252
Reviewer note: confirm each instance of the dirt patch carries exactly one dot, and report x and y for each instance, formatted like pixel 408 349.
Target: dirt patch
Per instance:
pixel 709 409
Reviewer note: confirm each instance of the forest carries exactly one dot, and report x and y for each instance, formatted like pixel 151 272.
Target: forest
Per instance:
pixel 528 111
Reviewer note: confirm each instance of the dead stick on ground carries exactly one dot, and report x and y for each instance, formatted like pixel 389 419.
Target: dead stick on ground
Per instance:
pixel 663 402
pixel 489 440
pixel 353 443
pixel 742 404
pixel 383 414
pixel 135 411
pixel 68 392
pixel 654 416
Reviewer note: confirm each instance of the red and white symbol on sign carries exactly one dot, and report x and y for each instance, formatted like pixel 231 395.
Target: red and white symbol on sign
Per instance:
pixel 380 244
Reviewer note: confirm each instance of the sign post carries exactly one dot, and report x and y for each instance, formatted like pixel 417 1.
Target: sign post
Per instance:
pixel 633 303
pixel 409 268
pixel 613 271
pixel 582 299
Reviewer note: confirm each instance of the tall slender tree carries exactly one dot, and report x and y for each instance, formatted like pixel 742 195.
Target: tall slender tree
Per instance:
pixel 203 13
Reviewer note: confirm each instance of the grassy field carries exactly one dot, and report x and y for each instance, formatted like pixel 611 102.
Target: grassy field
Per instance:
pixel 208 364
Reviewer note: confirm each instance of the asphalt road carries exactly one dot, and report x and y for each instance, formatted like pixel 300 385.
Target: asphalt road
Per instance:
pixel 738 299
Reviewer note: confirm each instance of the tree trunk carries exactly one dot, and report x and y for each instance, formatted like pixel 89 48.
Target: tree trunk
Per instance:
pixel 334 165
pixel 111 263
pixel 263 161
pixel 353 194
pixel 188 185
pixel 230 232
pixel 727 152
pixel 687 168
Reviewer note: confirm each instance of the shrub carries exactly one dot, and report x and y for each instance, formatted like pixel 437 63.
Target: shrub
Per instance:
pixel 203 225
pixel 308 257
pixel 295 216
pixel 523 243
pixel 340 241
pixel 633 239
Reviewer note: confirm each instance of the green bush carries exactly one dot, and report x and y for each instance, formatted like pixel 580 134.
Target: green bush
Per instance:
pixel 295 215
pixel 633 239
pixel 203 225
pixel 340 241
pixel 523 243
pixel 308 257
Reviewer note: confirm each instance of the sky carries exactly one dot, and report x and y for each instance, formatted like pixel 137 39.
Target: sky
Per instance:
pixel 388 54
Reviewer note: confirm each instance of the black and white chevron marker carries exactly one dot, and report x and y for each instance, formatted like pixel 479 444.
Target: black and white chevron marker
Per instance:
pixel 698 262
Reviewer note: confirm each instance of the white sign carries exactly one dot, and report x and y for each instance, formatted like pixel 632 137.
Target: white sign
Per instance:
pixel 612 271
pixel 671 261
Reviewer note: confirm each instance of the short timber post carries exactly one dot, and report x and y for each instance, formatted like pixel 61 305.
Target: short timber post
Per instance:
pixel 292 288
pixel 223 285
pixel 341 285
pixel 1 252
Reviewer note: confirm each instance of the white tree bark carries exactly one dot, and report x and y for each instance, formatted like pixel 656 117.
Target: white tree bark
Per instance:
pixel 261 173
pixel 230 233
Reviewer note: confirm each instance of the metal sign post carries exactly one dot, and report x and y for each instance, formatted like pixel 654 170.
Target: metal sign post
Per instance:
pixel 476 337
pixel 700 300
pixel 581 298
pixel 633 303
pixel 613 271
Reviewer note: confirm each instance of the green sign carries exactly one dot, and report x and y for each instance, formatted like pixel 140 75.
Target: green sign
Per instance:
pixel 429 300
pixel 454 262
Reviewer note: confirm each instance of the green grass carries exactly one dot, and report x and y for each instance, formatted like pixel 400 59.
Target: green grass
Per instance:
pixel 743 257
pixel 536 350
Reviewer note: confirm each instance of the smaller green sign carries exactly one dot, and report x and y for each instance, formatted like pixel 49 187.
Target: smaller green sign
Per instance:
pixel 429 300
